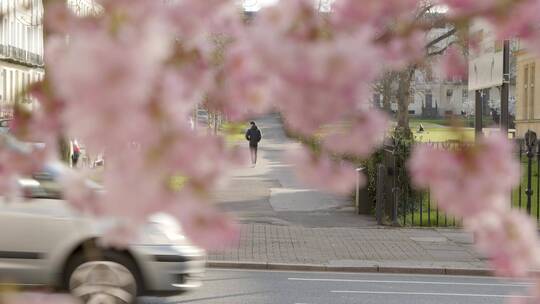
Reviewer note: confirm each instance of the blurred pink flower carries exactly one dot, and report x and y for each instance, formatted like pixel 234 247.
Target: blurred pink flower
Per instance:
pixel 17 159
pixel 400 51
pixel 469 180
pixel 59 17
pixel 37 298
pixel 509 239
pixel 323 173
pixel 204 225
pixel 242 79
pixel 453 65
pixel 378 14
pixel 468 6
pixel 364 135
pixel 532 297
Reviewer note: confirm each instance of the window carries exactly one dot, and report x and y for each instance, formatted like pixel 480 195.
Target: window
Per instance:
pixel 4 85
pixel 429 100
pixel 531 90
pixel 525 98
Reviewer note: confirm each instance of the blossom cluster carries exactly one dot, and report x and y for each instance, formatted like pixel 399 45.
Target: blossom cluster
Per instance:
pixel 125 82
pixel 474 183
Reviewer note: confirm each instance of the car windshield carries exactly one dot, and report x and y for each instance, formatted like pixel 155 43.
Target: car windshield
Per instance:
pixel 46 183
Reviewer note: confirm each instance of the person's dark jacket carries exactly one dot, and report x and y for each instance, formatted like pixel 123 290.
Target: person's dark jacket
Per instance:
pixel 254 136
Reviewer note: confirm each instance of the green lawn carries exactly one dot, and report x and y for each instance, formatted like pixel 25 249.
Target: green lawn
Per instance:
pixel 234 131
pixel 464 122
pixel 522 202
pixel 438 130
pixel 443 134
pixel 429 208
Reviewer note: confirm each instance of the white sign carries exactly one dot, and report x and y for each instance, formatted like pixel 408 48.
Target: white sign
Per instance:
pixel 486 71
pixel 485 60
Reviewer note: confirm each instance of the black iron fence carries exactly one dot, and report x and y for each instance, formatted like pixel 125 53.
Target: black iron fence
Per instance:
pixel 418 208
pixel 399 203
pixel 527 195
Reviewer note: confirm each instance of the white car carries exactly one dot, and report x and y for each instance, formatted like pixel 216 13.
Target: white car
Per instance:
pixel 44 242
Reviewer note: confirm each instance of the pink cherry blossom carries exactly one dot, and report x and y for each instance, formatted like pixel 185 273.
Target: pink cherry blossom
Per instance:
pixel 532 297
pixel 453 65
pixel 469 180
pixel 362 137
pixel 59 17
pixel 17 159
pixel 127 80
pixel 203 15
pixel 244 80
pixel 466 6
pixel 379 14
pixel 204 225
pixel 400 51
pixel 37 298
pixel 517 231
pixel 321 172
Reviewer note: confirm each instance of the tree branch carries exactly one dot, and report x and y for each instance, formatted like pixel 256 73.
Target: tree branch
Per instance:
pixel 424 11
pixel 441 38
pixel 439 52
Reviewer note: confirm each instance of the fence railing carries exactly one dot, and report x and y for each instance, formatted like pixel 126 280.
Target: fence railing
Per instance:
pixel 418 208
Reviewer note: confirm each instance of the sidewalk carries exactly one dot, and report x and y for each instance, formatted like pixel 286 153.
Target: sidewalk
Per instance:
pixel 265 246
pixel 286 225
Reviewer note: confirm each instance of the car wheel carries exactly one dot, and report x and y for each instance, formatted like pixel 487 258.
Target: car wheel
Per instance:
pixel 112 278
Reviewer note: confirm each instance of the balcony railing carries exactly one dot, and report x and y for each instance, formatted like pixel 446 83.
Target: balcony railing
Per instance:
pixel 20 55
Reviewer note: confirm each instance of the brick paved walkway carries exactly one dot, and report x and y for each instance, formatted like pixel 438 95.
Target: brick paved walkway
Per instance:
pixel 285 222
pixel 266 243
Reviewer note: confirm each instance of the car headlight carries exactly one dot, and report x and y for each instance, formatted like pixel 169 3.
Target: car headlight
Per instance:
pixel 163 229
pixel 160 235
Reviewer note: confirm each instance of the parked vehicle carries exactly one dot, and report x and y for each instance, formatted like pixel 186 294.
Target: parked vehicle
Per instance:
pixel 44 242
pixel 4 125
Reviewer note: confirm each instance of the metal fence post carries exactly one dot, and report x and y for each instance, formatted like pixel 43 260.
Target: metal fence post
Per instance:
pixel 530 141
pixel 379 203
pixel 396 204
pixel 357 198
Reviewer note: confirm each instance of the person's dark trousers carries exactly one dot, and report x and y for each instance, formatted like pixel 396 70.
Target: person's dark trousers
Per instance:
pixel 253 152
pixel 74 159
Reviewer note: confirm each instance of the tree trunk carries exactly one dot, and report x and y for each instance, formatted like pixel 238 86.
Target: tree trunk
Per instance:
pixel 387 95
pixel 404 98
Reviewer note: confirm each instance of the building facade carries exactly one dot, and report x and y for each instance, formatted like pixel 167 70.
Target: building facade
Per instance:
pixel 21 48
pixel 527 92
pixel 437 98
pixel 21 51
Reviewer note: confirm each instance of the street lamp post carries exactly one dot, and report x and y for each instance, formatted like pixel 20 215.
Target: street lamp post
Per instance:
pixel 505 90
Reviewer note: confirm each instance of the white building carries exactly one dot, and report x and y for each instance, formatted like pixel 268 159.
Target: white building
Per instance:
pixel 21 50
pixel 21 47
pixel 433 95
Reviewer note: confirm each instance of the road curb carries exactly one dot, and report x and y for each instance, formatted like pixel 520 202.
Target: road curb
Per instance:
pixel 296 267
pixel 237 265
pixel 353 269
pixel 412 270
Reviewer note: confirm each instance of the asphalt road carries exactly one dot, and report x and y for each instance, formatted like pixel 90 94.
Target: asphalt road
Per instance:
pixel 258 287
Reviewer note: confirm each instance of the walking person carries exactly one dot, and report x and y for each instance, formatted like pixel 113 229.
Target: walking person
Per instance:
pixel 76 154
pixel 254 136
